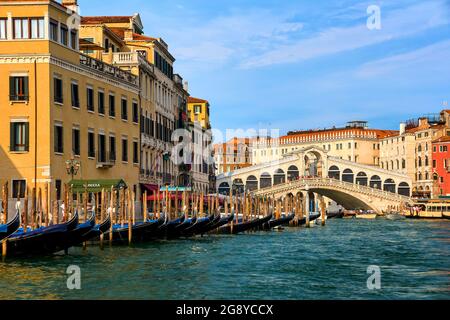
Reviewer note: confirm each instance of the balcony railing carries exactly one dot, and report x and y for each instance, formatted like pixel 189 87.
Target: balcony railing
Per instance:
pixel 105 160
pixel 18 98
pixel 131 58
pixel 107 69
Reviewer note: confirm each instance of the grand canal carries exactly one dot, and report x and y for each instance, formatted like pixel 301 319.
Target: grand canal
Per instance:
pixel 318 263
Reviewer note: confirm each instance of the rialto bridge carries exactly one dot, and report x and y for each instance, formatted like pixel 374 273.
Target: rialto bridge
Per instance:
pixel 312 173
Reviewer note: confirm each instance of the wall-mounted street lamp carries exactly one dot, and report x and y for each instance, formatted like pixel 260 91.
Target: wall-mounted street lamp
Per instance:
pixel 72 166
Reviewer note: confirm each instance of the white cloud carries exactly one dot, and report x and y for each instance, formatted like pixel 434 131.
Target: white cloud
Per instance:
pixel 433 57
pixel 397 24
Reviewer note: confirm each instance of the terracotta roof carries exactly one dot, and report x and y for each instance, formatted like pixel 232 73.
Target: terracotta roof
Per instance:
pixel 317 133
pixel 105 19
pixel 442 139
pixel 196 100
pixel 121 34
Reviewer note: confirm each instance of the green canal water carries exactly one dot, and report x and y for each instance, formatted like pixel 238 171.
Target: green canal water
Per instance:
pixel 319 263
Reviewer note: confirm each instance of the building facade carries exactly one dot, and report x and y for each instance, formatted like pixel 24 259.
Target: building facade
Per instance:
pixel 60 104
pixel 163 96
pixel 441 166
pixel 233 155
pixel 202 166
pixel 355 142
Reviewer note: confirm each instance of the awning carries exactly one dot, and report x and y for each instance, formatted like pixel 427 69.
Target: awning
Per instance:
pixel 150 187
pixel 85 44
pixel 79 186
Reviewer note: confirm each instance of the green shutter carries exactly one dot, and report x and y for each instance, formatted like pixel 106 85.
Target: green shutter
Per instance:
pixel 27 136
pixel 11 137
pixel 11 87
pixel 55 139
pixel 25 87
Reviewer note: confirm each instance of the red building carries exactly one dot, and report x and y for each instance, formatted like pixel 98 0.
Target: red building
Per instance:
pixel 441 166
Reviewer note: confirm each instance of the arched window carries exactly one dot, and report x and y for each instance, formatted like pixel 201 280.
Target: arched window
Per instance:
pixel 293 173
pixel 419 161
pixel 419 148
pixel 348 176
pixel 224 188
pixel 362 179
pixel 251 183
pixel 426 161
pixel 375 182
pixel 279 177
pixel 389 185
pixel 404 189
pixel 403 164
pixel 334 173
pixel 265 181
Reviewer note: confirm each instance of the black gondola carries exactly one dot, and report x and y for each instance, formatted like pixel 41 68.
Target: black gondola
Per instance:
pixel 178 230
pixel 222 222
pixel 210 226
pixel 244 226
pixel 9 228
pixel 197 227
pixel 42 241
pixel 278 222
pixel 97 230
pixel 335 215
pixel 75 237
pixel 139 231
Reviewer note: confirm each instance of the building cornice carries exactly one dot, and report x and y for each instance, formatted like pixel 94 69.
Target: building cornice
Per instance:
pixel 83 70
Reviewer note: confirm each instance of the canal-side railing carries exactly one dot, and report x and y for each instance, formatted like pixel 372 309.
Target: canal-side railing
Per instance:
pixel 312 183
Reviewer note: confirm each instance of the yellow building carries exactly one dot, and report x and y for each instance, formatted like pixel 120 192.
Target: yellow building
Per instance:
pixel 120 41
pixel 58 103
pixel 198 110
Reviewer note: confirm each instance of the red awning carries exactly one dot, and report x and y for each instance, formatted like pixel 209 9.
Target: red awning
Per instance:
pixel 151 187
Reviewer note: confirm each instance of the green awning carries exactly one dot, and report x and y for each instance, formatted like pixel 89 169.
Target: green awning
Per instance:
pixel 79 186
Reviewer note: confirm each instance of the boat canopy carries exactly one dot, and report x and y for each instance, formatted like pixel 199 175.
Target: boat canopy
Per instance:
pixel 79 186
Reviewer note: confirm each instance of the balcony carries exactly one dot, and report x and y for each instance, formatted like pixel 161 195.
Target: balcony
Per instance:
pixel 148 141
pixel 105 160
pixel 107 69
pixel 131 59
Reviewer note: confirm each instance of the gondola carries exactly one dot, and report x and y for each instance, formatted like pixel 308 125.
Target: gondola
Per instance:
pixel 75 237
pixel 302 221
pixel 210 226
pixel 178 230
pixel 244 226
pixel 139 231
pixel 97 230
pixel 277 222
pixel 167 227
pixel 335 215
pixel 197 226
pixel 9 228
pixel 42 241
pixel 222 222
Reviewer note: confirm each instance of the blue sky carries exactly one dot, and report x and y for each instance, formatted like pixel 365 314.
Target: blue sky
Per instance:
pixel 301 64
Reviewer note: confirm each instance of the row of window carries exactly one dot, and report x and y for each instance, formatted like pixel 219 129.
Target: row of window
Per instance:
pixel 385 165
pixel 34 28
pixel 19 142
pixel 441 149
pixel 162 129
pixel 163 65
pixel 95 150
pixel 19 91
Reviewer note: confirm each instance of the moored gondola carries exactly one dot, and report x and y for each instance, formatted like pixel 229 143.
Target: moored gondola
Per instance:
pixel 139 231
pixel 277 222
pixel 178 230
pixel 75 236
pixel 97 230
pixel 197 227
pixel 9 228
pixel 42 241
pixel 244 226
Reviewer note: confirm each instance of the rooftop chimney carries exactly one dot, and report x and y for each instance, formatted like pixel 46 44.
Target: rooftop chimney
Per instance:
pixel 71 4
pixel 402 128
pixel 186 86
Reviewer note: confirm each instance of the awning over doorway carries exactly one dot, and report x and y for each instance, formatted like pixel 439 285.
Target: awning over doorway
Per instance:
pixel 79 186
pixel 150 187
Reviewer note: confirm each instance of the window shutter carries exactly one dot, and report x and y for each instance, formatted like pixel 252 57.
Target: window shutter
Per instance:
pixel 11 87
pixel 27 136
pixel 62 140
pixel 55 139
pixel 25 86
pixel 11 137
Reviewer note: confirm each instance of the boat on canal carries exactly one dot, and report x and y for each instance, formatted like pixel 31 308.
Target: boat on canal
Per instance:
pixel 243 226
pixel 432 209
pixel 140 231
pixel 274 223
pixel 9 228
pixel 42 241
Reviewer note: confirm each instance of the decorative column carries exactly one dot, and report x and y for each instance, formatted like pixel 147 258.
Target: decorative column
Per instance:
pixel 9 27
